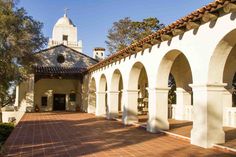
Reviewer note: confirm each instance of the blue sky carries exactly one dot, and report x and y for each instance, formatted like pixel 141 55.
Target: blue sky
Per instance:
pixel 94 17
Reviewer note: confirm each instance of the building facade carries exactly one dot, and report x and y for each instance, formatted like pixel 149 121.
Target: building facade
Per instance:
pixel 197 50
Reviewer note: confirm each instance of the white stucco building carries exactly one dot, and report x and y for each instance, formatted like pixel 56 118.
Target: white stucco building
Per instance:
pixel 65 32
pixel 198 50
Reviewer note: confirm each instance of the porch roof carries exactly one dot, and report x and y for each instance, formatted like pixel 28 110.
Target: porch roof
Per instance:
pixel 58 70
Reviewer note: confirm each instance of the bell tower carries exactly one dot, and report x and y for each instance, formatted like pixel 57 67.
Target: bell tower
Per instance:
pixel 65 32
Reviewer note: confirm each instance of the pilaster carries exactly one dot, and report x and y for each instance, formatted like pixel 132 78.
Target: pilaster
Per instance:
pixel 158 109
pixel 208 115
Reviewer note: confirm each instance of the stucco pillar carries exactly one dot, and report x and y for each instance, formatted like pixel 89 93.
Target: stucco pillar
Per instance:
pixel 16 104
pixel 207 115
pixel 91 102
pixel 30 94
pixel 130 107
pixel 182 98
pixel 113 100
pixel 158 109
pixel 101 104
pixel 50 100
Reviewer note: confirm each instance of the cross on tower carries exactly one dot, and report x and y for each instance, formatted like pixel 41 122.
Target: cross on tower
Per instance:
pixel 65 10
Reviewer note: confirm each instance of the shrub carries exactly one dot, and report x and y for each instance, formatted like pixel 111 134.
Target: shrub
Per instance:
pixel 5 131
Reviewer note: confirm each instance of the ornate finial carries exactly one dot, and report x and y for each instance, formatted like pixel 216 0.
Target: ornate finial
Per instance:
pixel 65 12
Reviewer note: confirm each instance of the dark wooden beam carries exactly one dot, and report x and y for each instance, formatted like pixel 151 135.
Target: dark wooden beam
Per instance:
pixel 165 37
pixel 147 45
pixel 230 7
pixel 177 31
pixel 155 41
pixel 138 48
pixel 209 17
pixel 132 51
pixel 193 25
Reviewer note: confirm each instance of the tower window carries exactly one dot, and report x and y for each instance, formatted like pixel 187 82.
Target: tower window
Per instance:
pixel 60 58
pixel 65 38
pixel 101 54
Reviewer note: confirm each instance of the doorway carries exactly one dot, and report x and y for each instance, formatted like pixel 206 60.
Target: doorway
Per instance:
pixel 59 102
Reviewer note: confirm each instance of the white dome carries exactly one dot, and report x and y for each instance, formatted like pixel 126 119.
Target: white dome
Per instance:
pixel 64 21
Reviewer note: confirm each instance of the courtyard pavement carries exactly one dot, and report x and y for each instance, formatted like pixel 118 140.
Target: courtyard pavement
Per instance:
pixel 65 134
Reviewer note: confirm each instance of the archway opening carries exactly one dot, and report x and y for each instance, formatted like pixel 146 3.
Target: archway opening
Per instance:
pixel 171 94
pixel 217 105
pixel 138 82
pixel 101 104
pixel 174 76
pixel 116 93
pixel 229 96
pixel 143 96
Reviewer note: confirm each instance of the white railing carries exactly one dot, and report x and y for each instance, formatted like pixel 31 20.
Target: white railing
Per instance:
pixel 188 112
pixel 230 116
pixel 171 111
pixel 68 43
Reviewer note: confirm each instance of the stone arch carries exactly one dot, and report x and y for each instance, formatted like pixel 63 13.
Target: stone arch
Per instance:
pixel 170 63
pixel 117 86
pixel 222 72
pixel 224 48
pixel 176 64
pixel 102 83
pixel 115 95
pixel 136 95
pixel 101 103
pixel 92 96
pixel 115 80
pixel 213 97
pixel 134 74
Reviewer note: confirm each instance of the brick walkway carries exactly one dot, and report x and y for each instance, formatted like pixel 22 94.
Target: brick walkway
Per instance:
pixel 183 128
pixel 80 134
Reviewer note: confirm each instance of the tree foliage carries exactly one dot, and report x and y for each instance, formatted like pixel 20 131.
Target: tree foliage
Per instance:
pixel 172 86
pixel 20 37
pixel 125 32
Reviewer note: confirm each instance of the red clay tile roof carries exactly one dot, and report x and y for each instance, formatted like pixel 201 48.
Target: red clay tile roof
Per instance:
pixel 58 70
pixel 194 16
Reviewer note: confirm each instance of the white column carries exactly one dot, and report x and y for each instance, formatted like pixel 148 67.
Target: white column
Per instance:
pixel 101 104
pixel 91 102
pixel 130 107
pixel 16 104
pixel 50 100
pixel 182 98
pixel 207 115
pixel 158 109
pixel 113 100
pixel 30 94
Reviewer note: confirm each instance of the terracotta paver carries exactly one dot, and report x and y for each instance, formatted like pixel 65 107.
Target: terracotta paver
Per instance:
pixel 80 134
pixel 183 128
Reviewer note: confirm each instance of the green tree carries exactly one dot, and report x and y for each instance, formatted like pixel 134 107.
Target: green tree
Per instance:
pixel 172 86
pixel 20 37
pixel 125 32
